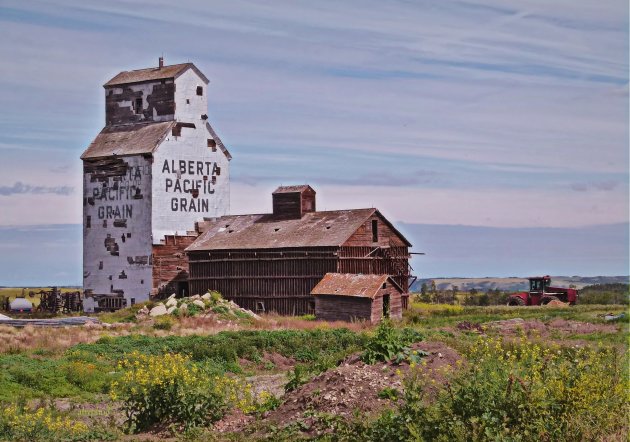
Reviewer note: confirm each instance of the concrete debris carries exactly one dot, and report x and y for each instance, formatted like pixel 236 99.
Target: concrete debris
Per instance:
pixel 158 310
pixel 199 303
pixel 171 302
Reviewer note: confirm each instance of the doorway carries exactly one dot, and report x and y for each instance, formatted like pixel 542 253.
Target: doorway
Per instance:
pixel 386 306
pixel 181 288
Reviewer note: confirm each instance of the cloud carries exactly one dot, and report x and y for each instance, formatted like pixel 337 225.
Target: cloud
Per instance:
pixel 501 97
pixel 21 188
pixel 603 186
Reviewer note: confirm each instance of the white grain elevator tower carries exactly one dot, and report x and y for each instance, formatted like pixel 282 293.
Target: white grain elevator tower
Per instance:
pixel 155 169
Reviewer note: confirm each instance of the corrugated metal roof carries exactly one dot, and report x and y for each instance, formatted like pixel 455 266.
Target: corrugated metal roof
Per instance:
pixel 153 74
pixel 293 189
pixel 314 229
pixel 128 139
pixel 348 284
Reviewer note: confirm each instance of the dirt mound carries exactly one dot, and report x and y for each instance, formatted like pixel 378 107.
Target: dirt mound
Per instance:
pixel 279 362
pixel 354 386
pixel 557 303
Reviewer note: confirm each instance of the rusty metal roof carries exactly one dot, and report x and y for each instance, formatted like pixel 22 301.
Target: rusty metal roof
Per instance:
pixel 293 189
pixel 349 284
pixel 314 229
pixel 128 139
pixel 153 74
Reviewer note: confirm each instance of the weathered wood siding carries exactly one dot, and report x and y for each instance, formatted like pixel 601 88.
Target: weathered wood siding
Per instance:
pixel 343 308
pixel 395 304
pixel 281 278
pixel 170 264
pixel 386 236
pixel 365 259
pixel 287 205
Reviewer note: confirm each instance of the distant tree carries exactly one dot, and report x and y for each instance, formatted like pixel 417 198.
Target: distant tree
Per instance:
pixel 473 291
pixel 483 299
pixel 424 288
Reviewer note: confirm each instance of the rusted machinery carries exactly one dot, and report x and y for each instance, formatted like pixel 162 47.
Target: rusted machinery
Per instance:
pixel 56 301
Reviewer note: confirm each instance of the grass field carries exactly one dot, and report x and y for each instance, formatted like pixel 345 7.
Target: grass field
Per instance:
pixel 71 372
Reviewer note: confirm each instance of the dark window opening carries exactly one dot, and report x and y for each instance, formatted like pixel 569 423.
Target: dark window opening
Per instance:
pixel 88 222
pixel 100 265
pixel 138 107
pixel 142 281
pixel 133 301
pixel 385 306
pixel 187 101
pixel 177 131
pixel 260 306
pixel 374 230
pixel 212 144
pixel 199 90
pixel 384 285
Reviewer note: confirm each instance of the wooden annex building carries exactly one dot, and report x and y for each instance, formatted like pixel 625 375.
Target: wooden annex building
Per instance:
pixel 272 262
pixel 348 297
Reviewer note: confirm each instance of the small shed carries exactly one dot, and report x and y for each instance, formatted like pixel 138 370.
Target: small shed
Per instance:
pixel 21 305
pixel 347 297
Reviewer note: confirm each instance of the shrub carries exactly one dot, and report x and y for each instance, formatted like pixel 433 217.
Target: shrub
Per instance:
pixel 169 389
pixel 390 343
pixel 220 309
pixel 22 423
pixel 516 391
pixel 164 322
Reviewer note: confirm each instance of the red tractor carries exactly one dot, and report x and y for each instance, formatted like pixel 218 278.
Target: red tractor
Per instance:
pixel 541 293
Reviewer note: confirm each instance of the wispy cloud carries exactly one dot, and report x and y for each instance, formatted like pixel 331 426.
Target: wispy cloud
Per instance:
pixel 498 97
pixel 21 188
pixel 604 186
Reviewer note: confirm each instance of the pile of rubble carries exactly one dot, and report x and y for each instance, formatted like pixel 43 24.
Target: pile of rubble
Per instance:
pixel 210 303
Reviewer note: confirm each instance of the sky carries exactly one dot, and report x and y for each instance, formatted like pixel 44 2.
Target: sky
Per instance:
pixel 491 114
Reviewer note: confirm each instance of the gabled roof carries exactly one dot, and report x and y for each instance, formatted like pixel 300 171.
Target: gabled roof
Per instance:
pixel 153 74
pixel 348 284
pixel 314 229
pixel 128 139
pixel 293 189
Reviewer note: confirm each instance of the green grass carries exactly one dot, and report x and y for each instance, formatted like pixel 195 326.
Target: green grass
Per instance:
pixel 87 369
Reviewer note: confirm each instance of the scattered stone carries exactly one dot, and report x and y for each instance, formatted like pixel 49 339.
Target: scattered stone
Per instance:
pixel 206 297
pixel 158 310
pixel 171 309
pixel 171 302
pixel 173 296
pixel 199 303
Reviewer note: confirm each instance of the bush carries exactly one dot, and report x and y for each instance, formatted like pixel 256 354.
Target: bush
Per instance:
pixel 169 389
pixel 515 391
pixel 164 322
pixel 22 423
pixel 390 343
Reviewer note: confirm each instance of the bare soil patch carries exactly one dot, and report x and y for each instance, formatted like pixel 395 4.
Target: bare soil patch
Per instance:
pixel 353 387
